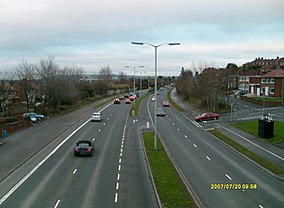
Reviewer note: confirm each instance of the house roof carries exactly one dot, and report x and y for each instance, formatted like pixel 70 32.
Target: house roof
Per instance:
pixel 275 73
pixel 250 72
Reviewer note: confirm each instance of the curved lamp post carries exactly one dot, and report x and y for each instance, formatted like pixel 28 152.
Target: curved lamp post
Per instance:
pixel 156 47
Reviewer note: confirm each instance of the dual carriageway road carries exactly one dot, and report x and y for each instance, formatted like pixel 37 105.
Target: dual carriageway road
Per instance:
pixel 117 175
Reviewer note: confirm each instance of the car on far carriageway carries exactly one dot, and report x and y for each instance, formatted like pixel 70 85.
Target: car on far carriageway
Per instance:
pixel 207 116
pixel 166 103
pixel 84 148
pixel 160 112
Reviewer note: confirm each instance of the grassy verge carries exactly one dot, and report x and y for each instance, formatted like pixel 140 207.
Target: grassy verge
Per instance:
pixel 261 161
pixel 273 99
pixel 173 103
pixel 170 187
pixel 252 128
pixel 136 105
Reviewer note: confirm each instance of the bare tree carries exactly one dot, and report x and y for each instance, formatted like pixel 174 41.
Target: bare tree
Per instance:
pixel 25 72
pixel 105 82
pixel 48 72
pixel 69 77
pixel 5 89
pixel 106 74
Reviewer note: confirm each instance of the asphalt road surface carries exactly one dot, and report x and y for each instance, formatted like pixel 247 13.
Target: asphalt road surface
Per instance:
pixel 219 176
pixel 115 176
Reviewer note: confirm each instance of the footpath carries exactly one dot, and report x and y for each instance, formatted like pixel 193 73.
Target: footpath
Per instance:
pixel 270 152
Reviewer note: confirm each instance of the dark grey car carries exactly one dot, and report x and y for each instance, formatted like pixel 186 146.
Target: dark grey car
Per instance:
pixel 84 148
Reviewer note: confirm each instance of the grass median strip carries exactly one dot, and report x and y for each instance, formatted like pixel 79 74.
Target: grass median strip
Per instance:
pixel 173 103
pixel 135 106
pixel 261 161
pixel 171 190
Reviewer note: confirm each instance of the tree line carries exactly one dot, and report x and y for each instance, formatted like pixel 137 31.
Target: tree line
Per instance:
pixel 45 87
pixel 206 86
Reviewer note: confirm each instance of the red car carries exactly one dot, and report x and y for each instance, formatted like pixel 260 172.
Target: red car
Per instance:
pixel 166 103
pixel 127 101
pixel 132 98
pixel 207 116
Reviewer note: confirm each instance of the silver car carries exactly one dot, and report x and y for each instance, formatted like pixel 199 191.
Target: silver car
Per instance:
pixel 160 112
pixel 97 116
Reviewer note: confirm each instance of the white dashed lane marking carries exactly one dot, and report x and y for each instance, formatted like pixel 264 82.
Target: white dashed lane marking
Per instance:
pixel 228 177
pixel 57 203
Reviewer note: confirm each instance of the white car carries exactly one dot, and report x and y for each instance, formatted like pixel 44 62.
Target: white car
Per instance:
pixel 97 116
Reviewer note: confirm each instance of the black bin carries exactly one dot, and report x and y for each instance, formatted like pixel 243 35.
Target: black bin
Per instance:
pixel 266 127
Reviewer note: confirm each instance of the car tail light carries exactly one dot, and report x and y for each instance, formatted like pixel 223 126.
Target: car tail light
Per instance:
pixel 89 149
pixel 76 149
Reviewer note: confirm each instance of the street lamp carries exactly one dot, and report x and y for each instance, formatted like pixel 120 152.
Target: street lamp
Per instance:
pixel 156 47
pixel 133 76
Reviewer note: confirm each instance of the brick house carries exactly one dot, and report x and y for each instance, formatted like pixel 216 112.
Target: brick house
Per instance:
pixel 254 85
pixel 247 80
pixel 272 83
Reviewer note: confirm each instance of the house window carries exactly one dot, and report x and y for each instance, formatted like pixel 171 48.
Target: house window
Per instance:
pixel 271 90
pixel 263 90
pixel 272 80
pixel 262 80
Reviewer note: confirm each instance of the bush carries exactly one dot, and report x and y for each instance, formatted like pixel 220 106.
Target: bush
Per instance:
pixel 10 119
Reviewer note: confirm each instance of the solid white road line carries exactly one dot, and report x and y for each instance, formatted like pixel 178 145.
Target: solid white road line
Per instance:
pixel 275 155
pixel 9 193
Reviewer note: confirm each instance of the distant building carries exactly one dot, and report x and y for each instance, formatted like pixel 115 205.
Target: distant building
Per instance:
pixel 266 64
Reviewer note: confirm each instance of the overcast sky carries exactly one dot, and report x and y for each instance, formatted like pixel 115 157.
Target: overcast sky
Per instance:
pixel 92 34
